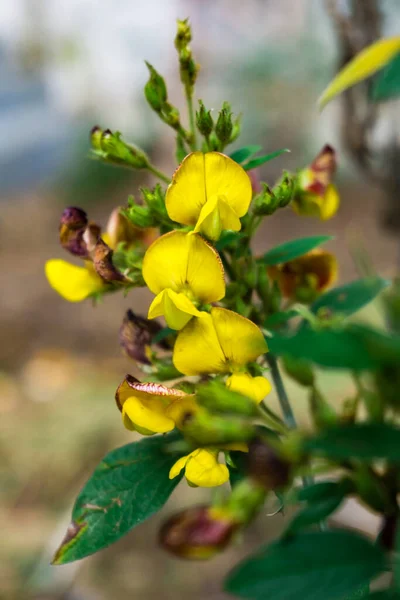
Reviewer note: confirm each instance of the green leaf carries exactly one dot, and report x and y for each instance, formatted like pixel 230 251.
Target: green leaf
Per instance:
pixel 367 62
pixel 349 298
pixel 361 592
pixel 128 486
pixel 362 441
pixel 387 83
pixel 323 499
pixel 238 471
pixel 388 594
pixel 228 238
pixel 314 565
pixel 244 153
pixel 336 348
pixel 163 334
pixel 293 249
pixel 260 160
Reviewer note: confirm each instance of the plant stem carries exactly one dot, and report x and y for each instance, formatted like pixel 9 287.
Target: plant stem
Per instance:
pixel 158 173
pixel 189 100
pixel 227 266
pixel 287 411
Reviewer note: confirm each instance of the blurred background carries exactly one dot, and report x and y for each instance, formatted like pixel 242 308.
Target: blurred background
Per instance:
pixel 66 65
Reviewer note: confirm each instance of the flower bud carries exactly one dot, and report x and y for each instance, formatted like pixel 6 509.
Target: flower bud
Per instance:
pixel 204 428
pixel 170 116
pixel 236 129
pixel 204 120
pixel 198 533
pixel 216 397
pixel 96 134
pixel 141 216
pixel 121 230
pixel 183 34
pixel 266 466
pixel 155 89
pixel 284 189
pixel 224 125
pixel 266 202
pixel 299 369
pixel 111 148
pixel 73 223
pixel 136 334
pixel 103 264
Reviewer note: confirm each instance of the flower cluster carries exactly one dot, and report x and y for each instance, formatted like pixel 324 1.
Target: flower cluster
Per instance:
pixel 207 201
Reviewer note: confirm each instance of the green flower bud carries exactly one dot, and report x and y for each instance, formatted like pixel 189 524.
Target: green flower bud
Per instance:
pixel 246 500
pixel 141 216
pixel 284 189
pixel 170 115
pixel 204 120
pixel 265 203
pixel 236 129
pixel 216 397
pixel 155 89
pixel 299 369
pixel 183 34
pixel 224 126
pixel 115 150
pixel 95 137
pixel 204 428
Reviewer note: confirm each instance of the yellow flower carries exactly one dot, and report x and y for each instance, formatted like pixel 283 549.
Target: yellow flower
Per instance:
pixel 255 388
pixel 201 468
pixel 316 196
pixel 209 191
pixel 151 407
pixel 305 277
pixel 71 282
pixel 184 271
pixel 220 342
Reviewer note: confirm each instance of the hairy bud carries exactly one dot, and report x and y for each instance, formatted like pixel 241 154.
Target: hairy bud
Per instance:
pixel 204 120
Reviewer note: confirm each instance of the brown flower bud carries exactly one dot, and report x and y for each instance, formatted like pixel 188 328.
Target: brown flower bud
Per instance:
pixel 73 223
pixel 198 533
pixel 136 334
pixel 266 467
pixel 102 262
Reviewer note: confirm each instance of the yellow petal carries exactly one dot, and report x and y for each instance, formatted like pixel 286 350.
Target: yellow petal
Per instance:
pixel 203 469
pixel 150 417
pixel 178 466
pixel 197 349
pixel 176 308
pixel 363 65
pixel 184 263
pixel 330 204
pixel 199 178
pixel 240 339
pixel 216 216
pixel 71 282
pixel 255 388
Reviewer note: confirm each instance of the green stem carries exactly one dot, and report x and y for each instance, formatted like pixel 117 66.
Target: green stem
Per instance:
pixel 158 173
pixel 189 100
pixel 287 411
pixel 227 266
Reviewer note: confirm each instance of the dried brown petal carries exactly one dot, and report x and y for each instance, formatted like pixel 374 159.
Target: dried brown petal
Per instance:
pixel 135 336
pixel 102 261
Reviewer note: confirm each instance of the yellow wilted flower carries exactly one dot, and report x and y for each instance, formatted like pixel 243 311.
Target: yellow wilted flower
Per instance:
pixel 315 195
pixel 185 272
pixel 220 342
pixel 209 191
pixel 307 276
pixel 151 407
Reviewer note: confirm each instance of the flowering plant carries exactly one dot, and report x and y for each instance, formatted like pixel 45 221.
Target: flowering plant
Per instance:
pixel 202 403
